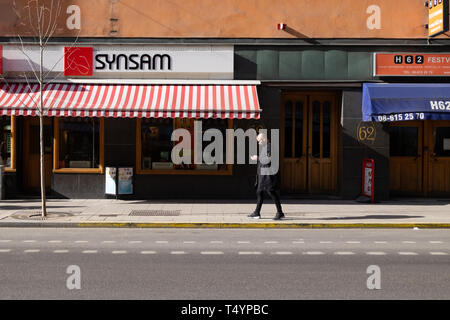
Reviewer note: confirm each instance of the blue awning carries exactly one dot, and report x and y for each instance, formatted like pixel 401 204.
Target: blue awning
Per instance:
pixel 402 102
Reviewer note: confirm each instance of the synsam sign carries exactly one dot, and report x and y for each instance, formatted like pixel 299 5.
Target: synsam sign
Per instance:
pixel 149 61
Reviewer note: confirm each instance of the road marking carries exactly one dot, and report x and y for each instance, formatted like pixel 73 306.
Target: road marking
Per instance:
pixel 439 253
pixel 177 252
pixel 270 241
pixel 31 250
pixel 243 242
pixel 60 251
pixel 29 241
pixel 283 252
pixel 344 253
pixel 353 242
pixel 298 242
pixel 313 252
pixel 3 241
pixel 407 253
pixel 211 252
pixel 376 253
pixel 188 241
pixel 119 252
pixel 408 242
pixel 109 241
pixel 249 252
pixel 326 242
pixel 54 241
pixel 380 241
pixel 90 251
pixel 216 241
pixel 81 241
pixel 135 241
pixel 162 241
pixel 435 242
pixel 148 252
pixel 5 250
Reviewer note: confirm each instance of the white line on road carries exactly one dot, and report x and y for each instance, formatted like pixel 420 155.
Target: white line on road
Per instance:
pixel 148 252
pixel 90 251
pixel 376 253
pixel 283 252
pixel 408 242
pixel 241 242
pixel 326 242
pixel 31 250
pixel 60 251
pixel 436 242
pixel 54 241
pixel 439 253
pixel 380 242
pixel 216 241
pixel 353 242
pixel 296 242
pixel 81 241
pixel 109 241
pixel 249 252
pixel 407 253
pixel 177 252
pixel 344 253
pixel 313 252
pixel 162 241
pixel 211 252
pixel 188 241
pixel 4 241
pixel 119 252
pixel 5 250
pixel 134 241
pixel 268 242
pixel 29 241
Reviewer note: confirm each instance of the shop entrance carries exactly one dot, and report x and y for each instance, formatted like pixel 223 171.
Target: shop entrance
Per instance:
pixel 309 142
pixel 420 158
pixel 31 172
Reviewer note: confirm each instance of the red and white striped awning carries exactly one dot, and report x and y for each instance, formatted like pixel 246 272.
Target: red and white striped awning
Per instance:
pixel 148 101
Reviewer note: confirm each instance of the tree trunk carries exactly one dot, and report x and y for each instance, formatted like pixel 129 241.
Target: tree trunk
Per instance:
pixel 41 134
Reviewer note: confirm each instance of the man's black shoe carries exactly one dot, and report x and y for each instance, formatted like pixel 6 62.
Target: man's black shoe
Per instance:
pixel 254 215
pixel 279 216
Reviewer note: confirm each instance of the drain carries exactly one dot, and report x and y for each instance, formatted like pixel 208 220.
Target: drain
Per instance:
pixel 36 215
pixel 147 213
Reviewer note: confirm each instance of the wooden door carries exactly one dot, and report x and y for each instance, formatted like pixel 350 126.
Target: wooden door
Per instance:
pixel 31 164
pixel 438 166
pixel 406 158
pixel 322 143
pixel 309 143
pixel 294 144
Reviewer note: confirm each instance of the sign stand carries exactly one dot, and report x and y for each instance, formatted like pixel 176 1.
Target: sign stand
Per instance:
pixel 368 173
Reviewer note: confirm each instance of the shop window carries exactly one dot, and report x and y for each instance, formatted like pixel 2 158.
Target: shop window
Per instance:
pixel 154 146
pixel 403 141
pixel 7 142
pixel 79 144
pixel 442 141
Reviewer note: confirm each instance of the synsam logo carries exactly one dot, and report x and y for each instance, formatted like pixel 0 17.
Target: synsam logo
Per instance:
pixel 78 61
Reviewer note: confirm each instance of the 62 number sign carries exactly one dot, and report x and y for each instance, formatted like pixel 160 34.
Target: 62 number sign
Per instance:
pixel 366 132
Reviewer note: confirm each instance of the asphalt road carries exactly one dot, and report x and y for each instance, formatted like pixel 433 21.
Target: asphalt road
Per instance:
pixel 224 264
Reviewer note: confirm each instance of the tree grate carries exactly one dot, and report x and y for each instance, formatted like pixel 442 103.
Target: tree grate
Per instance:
pixel 163 213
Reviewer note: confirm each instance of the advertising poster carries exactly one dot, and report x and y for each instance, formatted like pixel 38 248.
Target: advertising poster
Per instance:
pixel 110 183
pixel 126 180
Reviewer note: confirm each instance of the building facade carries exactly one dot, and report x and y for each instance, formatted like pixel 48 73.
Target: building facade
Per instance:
pixel 337 79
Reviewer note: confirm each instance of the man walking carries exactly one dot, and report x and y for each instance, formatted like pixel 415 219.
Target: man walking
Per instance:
pixel 265 182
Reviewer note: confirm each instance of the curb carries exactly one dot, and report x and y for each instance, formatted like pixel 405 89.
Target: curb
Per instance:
pixel 214 225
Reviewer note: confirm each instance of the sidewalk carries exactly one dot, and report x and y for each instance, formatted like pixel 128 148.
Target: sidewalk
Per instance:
pixel 302 213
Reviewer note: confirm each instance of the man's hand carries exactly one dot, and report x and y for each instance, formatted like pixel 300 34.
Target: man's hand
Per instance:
pixel 254 157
